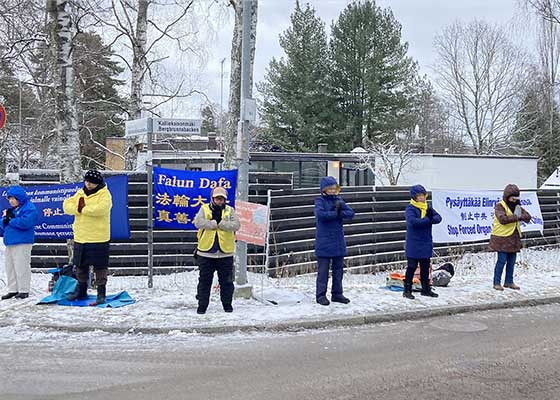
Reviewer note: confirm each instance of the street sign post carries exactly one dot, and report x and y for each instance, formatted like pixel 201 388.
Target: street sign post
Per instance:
pixel 150 126
pixel 140 127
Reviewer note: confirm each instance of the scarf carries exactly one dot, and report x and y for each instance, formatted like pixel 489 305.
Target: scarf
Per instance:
pixel 423 207
pixel 93 191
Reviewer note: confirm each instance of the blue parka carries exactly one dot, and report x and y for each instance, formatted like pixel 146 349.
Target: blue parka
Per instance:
pixel 419 243
pixel 21 228
pixel 329 237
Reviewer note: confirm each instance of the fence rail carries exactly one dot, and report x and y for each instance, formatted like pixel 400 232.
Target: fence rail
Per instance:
pixel 375 237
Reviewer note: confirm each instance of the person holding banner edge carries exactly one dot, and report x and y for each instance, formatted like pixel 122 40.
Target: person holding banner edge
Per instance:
pixel 18 230
pixel 505 238
pixel 216 223
pixel 91 208
pixel 420 217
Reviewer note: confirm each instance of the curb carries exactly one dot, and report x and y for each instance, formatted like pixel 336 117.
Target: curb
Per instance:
pixel 296 326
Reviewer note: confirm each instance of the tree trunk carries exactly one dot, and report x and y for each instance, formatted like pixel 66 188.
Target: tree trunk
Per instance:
pixel 139 68
pixel 61 34
pixel 235 78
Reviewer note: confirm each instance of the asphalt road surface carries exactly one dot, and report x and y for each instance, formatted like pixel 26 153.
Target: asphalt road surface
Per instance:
pixel 505 354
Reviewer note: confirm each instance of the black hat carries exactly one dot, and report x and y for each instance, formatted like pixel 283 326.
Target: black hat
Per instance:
pixel 94 176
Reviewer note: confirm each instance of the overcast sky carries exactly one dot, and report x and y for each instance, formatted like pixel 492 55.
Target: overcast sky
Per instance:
pixel 421 20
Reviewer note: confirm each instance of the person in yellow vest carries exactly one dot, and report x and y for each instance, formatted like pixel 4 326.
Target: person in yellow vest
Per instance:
pixel 216 223
pixel 91 208
pixel 505 238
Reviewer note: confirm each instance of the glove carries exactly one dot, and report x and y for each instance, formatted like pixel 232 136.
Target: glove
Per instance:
pixel 81 204
pixel 517 211
pixel 337 207
pixel 8 215
pixel 430 212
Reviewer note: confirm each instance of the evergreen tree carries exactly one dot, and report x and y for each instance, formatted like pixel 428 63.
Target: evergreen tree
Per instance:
pixel 371 74
pixel 296 109
pixel 533 134
pixel 208 121
pixel 101 108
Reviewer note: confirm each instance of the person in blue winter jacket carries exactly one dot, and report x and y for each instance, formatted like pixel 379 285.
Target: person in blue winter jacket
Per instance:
pixel 18 230
pixel 420 217
pixel 330 244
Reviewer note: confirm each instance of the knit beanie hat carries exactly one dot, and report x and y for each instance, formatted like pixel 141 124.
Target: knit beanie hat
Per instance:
pixel 94 177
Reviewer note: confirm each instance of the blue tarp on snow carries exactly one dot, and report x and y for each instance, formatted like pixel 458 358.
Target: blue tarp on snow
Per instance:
pixel 66 285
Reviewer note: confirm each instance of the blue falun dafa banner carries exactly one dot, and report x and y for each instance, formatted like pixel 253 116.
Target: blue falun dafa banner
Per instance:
pixel 53 224
pixel 178 195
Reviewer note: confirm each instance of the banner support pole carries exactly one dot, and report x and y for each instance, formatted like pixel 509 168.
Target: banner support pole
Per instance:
pixel 150 168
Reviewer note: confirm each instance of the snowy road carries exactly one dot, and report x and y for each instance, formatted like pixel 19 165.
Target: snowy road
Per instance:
pixel 506 354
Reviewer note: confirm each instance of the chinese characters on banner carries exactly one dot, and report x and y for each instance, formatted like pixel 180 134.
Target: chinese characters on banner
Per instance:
pixel 178 194
pixel 254 222
pixel 468 216
pixel 54 224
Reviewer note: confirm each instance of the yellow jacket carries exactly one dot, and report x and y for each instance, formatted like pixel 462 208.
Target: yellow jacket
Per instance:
pixel 93 224
pixel 208 229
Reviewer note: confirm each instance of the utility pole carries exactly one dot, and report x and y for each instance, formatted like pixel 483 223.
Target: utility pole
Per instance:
pixel 243 139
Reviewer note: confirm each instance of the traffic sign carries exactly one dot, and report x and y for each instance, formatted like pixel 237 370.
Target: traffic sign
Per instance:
pixel 2 116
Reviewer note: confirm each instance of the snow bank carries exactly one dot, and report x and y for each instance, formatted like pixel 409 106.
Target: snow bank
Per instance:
pixel 171 303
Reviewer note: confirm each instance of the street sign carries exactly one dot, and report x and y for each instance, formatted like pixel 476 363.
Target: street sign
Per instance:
pixel 177 126
pixel 171 126
pixel 136 127
pixel 2 116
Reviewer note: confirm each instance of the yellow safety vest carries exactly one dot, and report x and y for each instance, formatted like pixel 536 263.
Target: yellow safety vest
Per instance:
pixel 506 230
pixel 206 237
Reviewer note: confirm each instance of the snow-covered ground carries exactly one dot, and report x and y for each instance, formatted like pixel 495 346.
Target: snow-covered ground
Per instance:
pixel 171 303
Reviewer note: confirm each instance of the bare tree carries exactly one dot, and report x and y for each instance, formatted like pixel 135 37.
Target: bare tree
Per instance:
pixel 235 76
pixel 386 160
pixel 62 31
pixel 482 74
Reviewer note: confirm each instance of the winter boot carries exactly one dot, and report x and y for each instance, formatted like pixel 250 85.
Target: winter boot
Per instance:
pixel 427 290
pixel 228 308
pixel 512 286
pixel 80 293
pixel 101 293
pixel 340 299
pixel 323 301
pixel 201 309
pixel 408 292
pixel 22 295
pixel 9 295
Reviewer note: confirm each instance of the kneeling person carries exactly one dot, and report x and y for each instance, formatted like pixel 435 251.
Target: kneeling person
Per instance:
pixel 216 223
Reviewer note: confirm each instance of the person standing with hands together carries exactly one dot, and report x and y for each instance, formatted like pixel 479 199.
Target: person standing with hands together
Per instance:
pixel 216 223
pixel 505 238
pixel 420 217
pixel 330 243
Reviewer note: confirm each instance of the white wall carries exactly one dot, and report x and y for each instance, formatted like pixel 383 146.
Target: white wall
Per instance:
pixel 468 172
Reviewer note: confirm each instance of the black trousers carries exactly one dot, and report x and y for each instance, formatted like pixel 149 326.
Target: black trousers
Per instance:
pixel 92 254
pixel 424 271
pixel 207 267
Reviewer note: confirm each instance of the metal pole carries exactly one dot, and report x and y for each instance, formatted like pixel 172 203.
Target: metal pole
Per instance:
pixel 267 245
pixel 243 135
pixel 20 127
pixel 149 165
pixel 222 105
